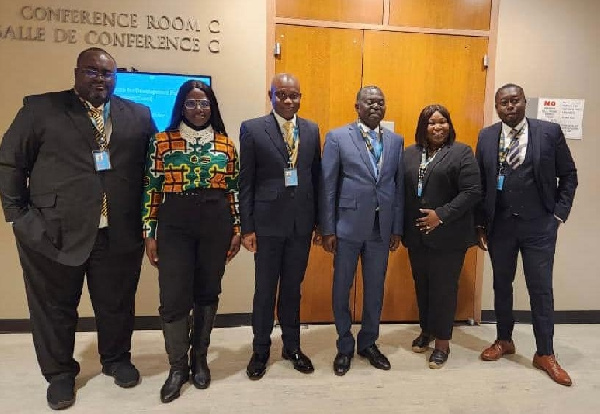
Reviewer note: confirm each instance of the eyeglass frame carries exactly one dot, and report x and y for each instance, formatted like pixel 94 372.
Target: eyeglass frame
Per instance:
pixel 283 96
pixel 198 103
pixel 93 73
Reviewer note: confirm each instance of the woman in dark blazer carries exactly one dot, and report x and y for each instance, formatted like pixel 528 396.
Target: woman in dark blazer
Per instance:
pixel 442 187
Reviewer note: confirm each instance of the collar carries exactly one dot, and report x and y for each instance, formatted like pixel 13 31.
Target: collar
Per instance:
pixel 281 120
pixel 104 108
pixel 506 129
pixel 194 136
pixel 365 128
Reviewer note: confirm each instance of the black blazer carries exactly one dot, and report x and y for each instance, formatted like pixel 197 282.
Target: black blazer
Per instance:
pixel 551 160
pixel 451 187
pixel 50 188
pixel 267 206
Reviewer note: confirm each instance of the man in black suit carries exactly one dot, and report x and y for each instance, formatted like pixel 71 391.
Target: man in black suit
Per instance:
pixel 280 158
pixel 529 181
pixel 71 168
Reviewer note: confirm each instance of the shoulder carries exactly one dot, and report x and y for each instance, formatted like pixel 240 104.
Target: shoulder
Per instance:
pixel 412 149
pixel 307 123
pixel 460 147
pixel 256 122
pixel 166 135
pixel 545 125
pixel 393 135
pixel 342 130
pixel 491 130
pixel 48 98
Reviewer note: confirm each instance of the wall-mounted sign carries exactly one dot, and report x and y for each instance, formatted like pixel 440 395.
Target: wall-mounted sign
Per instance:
pixel 115 29
pixel 568 113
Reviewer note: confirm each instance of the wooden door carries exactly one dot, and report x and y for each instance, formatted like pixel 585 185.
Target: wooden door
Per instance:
pixel 414 70
pixel 327 63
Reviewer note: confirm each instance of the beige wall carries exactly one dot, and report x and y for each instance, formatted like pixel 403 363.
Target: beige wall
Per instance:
pixel 550 47
pixel 238 78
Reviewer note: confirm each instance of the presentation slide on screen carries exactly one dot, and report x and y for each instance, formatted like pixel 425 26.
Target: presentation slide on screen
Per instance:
pixel 155 90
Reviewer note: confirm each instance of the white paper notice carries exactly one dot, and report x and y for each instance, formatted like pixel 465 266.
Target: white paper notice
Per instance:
pixel 568 113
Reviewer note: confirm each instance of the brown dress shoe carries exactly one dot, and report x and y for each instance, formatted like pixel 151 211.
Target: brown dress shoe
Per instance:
pixel 495 351
pixel 549 364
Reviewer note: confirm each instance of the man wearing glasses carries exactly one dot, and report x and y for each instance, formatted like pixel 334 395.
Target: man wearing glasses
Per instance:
pixel 280 158
pixel 71 167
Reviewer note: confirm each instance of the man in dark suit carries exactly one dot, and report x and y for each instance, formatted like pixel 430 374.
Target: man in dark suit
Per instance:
pixel 528 181
pixel 71 168
pixel 280 158
pixel 361 214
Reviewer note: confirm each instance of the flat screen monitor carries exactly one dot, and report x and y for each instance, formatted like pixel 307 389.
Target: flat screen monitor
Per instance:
pixel 155 90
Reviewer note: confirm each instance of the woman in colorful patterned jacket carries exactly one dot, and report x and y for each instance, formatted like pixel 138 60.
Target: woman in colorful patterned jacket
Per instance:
pixel 191 221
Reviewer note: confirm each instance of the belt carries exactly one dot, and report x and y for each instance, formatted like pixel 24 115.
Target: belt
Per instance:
pixel 200 193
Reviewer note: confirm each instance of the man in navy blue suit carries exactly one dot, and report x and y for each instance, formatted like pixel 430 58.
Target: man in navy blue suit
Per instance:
pixel 280 156
pixel 529 181
pixel 361 214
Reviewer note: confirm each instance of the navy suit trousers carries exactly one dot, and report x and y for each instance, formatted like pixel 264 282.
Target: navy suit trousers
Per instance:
pixel 536 240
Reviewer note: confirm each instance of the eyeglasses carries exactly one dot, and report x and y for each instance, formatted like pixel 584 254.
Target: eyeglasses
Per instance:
pixel 196 103
pixel 95 74
pixel 283 96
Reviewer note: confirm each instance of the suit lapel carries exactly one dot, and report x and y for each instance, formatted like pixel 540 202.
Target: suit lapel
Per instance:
pixel 438 158
pixel 117 121
pixel 492 153
pixel 303 139
pixel 79 116
pixel 272 130
pixel 535 136
pixel 359 142
pixel 387 151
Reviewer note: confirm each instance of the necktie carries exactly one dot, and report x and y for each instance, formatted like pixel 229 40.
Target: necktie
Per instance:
pixel 376 145
pixel 513 154
pixel 97 115
pixel 288 136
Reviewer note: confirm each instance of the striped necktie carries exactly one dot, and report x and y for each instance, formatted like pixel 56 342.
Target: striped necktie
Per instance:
pixel 97 115
pixel 513 154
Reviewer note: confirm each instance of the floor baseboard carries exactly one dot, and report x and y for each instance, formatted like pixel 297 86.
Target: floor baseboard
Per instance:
pixel 229 320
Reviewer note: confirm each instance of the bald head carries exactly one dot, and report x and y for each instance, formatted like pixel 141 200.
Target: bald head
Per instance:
pixel 285 95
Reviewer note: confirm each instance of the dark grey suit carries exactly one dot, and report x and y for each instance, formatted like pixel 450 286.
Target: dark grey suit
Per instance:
pixel 521 218
pixel 283 219
pixel 52 193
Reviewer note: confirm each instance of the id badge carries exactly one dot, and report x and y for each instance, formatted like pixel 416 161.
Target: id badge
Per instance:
pixel 500 182
pixel 420 189
pixel 291 177
pixel 102 160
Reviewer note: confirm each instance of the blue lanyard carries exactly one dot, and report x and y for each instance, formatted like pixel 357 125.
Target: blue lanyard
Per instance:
pixel 423 167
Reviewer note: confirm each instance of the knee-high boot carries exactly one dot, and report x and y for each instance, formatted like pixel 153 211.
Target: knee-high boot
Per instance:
pixel 204 317
pixel 177 343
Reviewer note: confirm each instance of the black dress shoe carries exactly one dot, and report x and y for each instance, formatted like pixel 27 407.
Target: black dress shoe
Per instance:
pixel 375 357
pixel 257 366
pixel 341 364
pixel 125 374
pixel 301 362
pixel 171 389
pixel 61 392
pixel 438 358
pixel 421 343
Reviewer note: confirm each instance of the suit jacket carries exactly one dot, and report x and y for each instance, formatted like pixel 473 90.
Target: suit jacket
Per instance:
pixel 350 190
pixel 551 161
pixel 267 206
pixel 48 183
pixel 451 187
